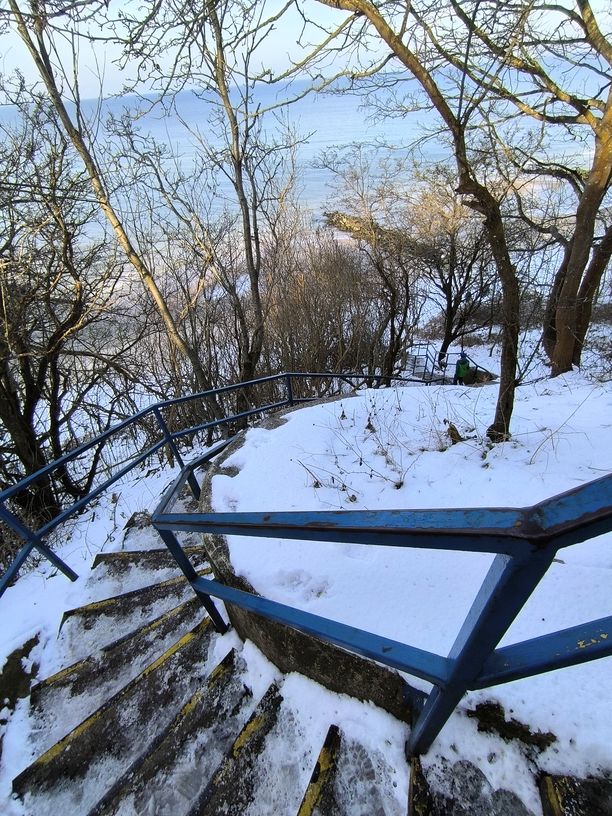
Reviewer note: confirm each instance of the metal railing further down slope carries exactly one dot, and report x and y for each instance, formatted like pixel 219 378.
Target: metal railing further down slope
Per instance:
pixel 147 433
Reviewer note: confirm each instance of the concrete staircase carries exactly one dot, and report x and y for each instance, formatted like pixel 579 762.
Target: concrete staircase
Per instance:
pixel 155 714
pixel 420 364
pixel 416 366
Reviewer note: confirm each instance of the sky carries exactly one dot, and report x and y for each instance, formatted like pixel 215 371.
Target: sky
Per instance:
pixel 99 75
pixel 96 63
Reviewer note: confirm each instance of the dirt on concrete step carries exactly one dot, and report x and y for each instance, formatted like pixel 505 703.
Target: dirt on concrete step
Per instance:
pixel 75 772
pixel 119 564
pixel 82 687
pixel 569 796
pixel 174 774
pixel 231 788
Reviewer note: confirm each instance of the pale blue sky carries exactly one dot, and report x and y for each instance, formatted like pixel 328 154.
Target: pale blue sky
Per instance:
pixel 96 60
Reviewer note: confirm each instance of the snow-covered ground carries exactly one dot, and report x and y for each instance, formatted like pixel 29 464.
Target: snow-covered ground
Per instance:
pixel 391 449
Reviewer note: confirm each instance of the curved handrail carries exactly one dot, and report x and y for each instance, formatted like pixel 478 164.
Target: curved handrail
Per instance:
pixel 524 541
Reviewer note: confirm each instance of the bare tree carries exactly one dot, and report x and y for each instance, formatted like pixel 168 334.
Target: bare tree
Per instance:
pixel 323 311
pixel 551 64
pixel 499 77
pixel 62 372
pixel 40 28
pixel 369 193
pixel 414 43
pixel 213 48
pixel 449 251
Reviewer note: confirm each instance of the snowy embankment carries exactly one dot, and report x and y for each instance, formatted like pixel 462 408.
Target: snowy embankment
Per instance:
pixel 391 449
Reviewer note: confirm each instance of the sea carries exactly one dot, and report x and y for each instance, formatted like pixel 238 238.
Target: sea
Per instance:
pixel 323 123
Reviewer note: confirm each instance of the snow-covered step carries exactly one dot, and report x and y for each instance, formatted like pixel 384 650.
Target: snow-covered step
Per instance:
pixel 63 700
pixel 87 628
pixel 317 799
pixel 351 779
pixel 131 565
pixel 74 773
pixel 417 366
pixel 232 787
pixel 462 788
pixel 173 775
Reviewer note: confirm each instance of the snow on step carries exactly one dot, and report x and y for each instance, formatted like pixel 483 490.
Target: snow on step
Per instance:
pixel 66 698
pixel 87 628
pixel 272 764
pixel 173 775
pixel 129 569
pixel 269 764
pixel 351 779
pixel 462 788
pixel 75 772
pixel 231 789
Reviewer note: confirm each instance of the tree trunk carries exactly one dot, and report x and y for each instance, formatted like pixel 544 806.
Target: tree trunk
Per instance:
pixel 44 66
pixel 588 289
pixel 39 500
pixel 549 330
pixel 566 317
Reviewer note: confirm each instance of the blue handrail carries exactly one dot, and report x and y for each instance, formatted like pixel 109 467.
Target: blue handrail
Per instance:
pixel 524 541
pixel 34 539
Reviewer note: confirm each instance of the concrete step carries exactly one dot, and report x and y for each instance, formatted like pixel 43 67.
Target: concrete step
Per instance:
pixel 318 798
pixel 63 700
pixel 86 629
pixel 460 789
pixel 569 796
pixel 466 790
pixel 420 800
pixel 349 778
pixel 231 789
pixel 74 773
pixel 130 564
pixel 173 775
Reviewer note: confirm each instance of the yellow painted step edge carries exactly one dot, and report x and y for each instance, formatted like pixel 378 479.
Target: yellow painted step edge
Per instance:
pixel 56 750
pixel 125 555
pixel 96 606
pixel 325 763
pixel 150 627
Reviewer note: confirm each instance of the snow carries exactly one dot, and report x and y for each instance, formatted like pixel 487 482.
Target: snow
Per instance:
pixel 391 449
pixel 382 449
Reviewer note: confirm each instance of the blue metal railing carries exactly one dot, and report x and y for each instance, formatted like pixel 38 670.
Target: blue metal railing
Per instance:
pixel 524 541
pixel 282 390
pixel 424 356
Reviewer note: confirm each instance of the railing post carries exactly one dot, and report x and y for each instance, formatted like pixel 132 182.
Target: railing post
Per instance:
pixel 191 575
pixel 508 584
pixel 431 365
pixel 191 479
pixel 33 542
pixel 289 389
